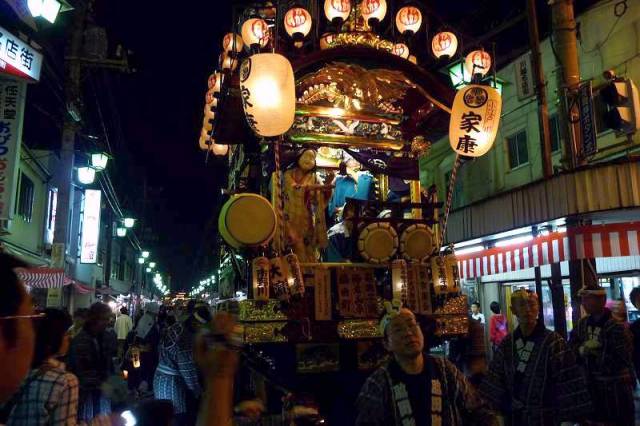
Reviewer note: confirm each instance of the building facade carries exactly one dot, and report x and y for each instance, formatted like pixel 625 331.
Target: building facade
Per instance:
pixel 511 227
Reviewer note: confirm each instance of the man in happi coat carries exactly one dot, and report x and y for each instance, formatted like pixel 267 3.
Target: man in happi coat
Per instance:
pixel 533 378
pixel 414 388
pixel 604 347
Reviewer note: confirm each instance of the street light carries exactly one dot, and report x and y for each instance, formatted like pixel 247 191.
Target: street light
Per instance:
pixel 148 269
pixel 145 254
pixel 86 175
pixel 152 265
pixel 141 260
pixel 99 160
pixel 121 231
pixel 48 9
pixel 128 222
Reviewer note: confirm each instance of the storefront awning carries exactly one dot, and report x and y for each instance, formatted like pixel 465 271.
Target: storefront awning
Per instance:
pixel 43 277
pixel 585 242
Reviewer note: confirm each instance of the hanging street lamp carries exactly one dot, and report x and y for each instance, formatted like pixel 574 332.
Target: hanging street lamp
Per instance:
pixel 86 175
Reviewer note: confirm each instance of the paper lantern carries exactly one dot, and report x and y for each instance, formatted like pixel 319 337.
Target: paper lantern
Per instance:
pixel 400 49
pixel 205 141
pixel 232 43
pixel 408 20
pixel 215 81
pixel 267 89
pixel 255 31
pixel 337 9
pixel 209 113
pixel 326 40
pixel 260 269
pixel 373 9
pixel 475 117
pixel 228 62
pixel 444 44
pixel 211 99
pixel 297 22
pixel 478 62
pixel 86 175
pixel 295 279
pixel 219 150
pixel 399 275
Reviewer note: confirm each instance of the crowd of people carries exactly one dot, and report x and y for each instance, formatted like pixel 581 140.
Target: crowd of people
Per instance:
pixel 180 367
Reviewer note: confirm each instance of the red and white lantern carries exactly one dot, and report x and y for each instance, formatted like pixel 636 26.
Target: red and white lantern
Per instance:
pixel 445 44
pixel 478 62
pixel 297 22
pixel 373 9
pixel 337 9
pixel 255 31
pixel 408 20
pixel 232 43
pixel 400 49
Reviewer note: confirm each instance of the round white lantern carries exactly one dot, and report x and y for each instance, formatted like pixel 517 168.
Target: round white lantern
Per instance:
pixel 232 43
pixel 475 117
pixel 478 62
pixel 219 150
pixel 207 126
pixel 297 22
pixel 337 9
pixel 400 49
pixel 228 62
pixel 408 19
pixel 209 113
pixel 445 44
pixel 255 31
pixel 373 9
pixel 267 89
pixel 326 40
pixel 204 142
pixel 215 81
pixel 210 98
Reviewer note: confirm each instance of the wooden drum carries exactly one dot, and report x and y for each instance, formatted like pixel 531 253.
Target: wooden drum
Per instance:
pixel 416 242
pixel 378 242
pixel 247 220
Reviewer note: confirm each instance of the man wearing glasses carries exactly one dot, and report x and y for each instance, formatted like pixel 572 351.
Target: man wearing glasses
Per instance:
pixel 16 328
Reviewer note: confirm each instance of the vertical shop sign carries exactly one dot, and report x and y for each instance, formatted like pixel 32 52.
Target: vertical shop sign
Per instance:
pixel 90 226
pixel 587 119
pixel 12 95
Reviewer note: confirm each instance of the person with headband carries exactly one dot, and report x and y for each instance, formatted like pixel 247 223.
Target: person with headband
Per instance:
pixel 176 378
pixel 604 347
pixel 533 378
pixel 415 388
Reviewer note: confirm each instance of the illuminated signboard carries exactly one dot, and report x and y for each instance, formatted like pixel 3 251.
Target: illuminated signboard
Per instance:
pixel 90 226
pixel 18 58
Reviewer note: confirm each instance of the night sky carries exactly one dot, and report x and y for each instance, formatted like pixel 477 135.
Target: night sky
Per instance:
pixel 153 116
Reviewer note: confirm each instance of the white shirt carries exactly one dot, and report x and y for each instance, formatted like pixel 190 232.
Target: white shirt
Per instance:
pixel 123 326
pixel 478 317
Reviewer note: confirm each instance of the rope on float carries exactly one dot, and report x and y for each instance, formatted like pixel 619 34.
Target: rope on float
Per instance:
pixel 447 207
pixel 278 195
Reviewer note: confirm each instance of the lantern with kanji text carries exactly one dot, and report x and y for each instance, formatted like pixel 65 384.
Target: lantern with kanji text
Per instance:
pixel 444 44
pixel 408 20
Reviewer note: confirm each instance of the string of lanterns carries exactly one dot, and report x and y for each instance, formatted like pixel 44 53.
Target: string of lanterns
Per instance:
pixel 267 83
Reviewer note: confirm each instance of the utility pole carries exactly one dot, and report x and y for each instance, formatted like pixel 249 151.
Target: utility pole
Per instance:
pixel 63 175
pixel 566 50
pixel 583 271
pixel 541 89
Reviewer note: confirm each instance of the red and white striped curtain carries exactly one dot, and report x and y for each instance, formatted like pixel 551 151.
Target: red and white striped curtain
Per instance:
pixel 585 242
pixel 42 277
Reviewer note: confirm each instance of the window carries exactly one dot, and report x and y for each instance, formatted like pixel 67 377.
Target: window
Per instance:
pixel 24 206
pixel 554 130
pixel 518 154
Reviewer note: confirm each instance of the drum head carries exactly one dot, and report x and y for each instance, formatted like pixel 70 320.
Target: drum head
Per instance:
pixel 416 242
pixel 247 220
pixel 378 242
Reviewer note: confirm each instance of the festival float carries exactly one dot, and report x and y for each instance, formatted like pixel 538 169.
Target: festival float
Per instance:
pixel 322 111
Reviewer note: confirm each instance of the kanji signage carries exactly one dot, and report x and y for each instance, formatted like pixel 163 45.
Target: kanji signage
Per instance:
pixel 18 58
pixel 12 94
pixel 475 117
pixel 90 226
pixel 587 119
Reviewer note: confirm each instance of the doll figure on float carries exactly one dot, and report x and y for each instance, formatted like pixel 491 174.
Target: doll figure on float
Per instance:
pixel 305 203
